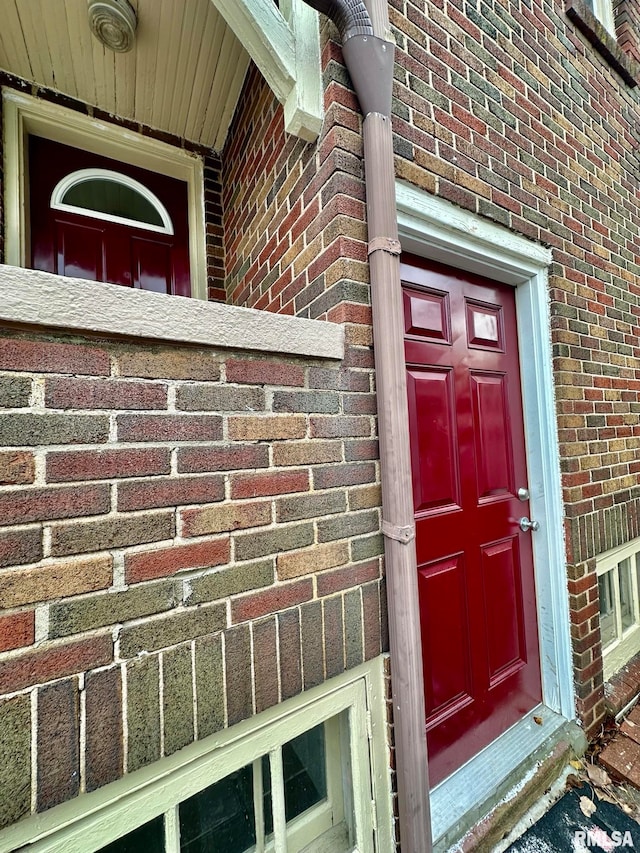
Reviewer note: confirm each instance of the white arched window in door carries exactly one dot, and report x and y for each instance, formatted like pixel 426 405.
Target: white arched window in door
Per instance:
pixel 111 196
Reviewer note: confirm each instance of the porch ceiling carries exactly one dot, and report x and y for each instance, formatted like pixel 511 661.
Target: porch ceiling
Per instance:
pixel 183 75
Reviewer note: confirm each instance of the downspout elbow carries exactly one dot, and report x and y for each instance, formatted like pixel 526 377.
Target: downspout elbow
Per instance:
pixel 369 59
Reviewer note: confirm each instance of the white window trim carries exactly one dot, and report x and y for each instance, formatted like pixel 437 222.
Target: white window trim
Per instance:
pixel 24 114
pixel 81 176
pixel 120 807
pixel 627 643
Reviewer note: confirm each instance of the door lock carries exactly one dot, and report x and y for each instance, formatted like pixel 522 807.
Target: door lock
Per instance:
pixel 525 524
pixel 523 494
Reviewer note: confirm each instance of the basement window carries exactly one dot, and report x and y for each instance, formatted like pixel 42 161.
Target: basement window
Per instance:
pixel 618 588
pixel 295 778
pixel 289 798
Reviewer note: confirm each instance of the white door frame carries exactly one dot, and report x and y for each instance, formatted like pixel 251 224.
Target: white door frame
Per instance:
pixel 438 230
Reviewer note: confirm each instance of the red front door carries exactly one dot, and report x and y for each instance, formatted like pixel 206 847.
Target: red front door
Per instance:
pixel 101 249
pixel 475 565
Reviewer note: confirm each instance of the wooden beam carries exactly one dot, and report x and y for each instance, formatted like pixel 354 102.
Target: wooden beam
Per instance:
pixel 303 109
pixel 285 45
pixel 267 37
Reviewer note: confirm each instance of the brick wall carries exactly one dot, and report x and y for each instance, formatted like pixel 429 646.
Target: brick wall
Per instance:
pixel 294 213
pixel 627 20
pixel 507 111
pixel 188 537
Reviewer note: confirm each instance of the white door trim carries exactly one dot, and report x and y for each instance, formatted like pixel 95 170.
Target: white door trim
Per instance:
pixel 437 230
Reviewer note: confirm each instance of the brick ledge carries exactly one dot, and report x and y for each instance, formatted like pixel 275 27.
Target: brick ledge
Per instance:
pixel 581 15
pixel 623 687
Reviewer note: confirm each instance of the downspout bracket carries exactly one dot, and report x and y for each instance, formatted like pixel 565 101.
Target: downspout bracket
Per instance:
pixel 385 244
pixel 404 534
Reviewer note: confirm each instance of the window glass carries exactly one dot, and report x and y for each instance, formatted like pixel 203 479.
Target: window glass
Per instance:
pixel 607 611
pixel 305 773
pixel 101 195
pixel 220 819
pixel 626 596
pixel 148 837
pixel 305 776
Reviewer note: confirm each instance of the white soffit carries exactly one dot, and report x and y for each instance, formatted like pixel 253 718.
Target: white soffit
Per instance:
pixel 183 76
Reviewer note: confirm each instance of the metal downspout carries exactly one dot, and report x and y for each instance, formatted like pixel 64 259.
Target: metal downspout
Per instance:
pixel 369 60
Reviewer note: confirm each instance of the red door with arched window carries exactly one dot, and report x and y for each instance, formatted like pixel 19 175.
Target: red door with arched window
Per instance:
pixel 96 218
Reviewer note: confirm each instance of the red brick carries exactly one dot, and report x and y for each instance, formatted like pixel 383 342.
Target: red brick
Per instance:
pixel 48 663
pixel 621 757
pixel 271 483
pixel 20 546
pixel 104 394
pixel 104 726
pixel 257 372
pixel 272 600
pixel 631 726
pixel 192 460
pixel 20 507
pixel 106 464
pixel 290 653
pixel 169 428
pixel 17 630
pixel 17 468
pixel 147 565
pixel 47 357
pixel 58 744
pixel 347 576
pixel 177 491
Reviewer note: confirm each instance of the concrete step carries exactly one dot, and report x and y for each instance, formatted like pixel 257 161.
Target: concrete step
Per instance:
pixel 537 780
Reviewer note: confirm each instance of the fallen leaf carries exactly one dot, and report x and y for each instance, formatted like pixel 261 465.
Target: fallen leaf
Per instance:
pixel 598 776
pixel 602 795
pixel 573 781
pixel 626 808
pixel 538 721
pixel 577 765
pixel 587 806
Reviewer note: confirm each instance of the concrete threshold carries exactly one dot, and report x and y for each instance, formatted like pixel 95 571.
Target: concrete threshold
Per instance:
pixel 477 805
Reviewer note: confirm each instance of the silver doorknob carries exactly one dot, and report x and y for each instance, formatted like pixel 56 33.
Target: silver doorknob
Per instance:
pixel 525 524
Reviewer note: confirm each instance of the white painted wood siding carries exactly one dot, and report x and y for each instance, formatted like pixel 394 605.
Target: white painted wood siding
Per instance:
pixel 183 76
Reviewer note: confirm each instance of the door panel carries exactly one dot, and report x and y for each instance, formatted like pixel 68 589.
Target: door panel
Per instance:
pixel 434 452
pixel 79 250
pixel 445 632
pixel 151 265
pixel 475 566
pixel 502 582
pixel 427 315
pixel 492 436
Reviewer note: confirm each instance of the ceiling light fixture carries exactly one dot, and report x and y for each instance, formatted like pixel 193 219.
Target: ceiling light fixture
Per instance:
pixel 113 22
